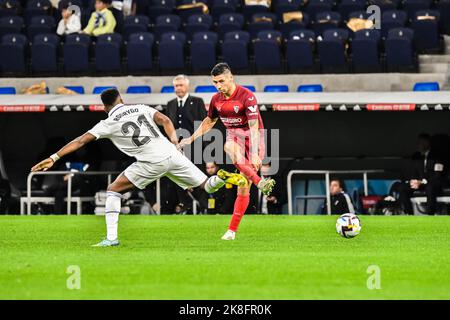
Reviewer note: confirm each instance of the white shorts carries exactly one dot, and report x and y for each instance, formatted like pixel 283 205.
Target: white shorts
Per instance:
pixel 177 168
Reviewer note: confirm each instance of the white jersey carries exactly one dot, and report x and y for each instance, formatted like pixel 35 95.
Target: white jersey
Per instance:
pixel 134 132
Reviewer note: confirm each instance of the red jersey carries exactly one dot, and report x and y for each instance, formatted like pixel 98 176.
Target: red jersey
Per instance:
pixel 236 111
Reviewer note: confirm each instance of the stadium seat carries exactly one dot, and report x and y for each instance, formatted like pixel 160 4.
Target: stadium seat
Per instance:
pixel 160 8
pixel 426 86
pixel 294 25
pixel 276 88
pixel 365 51
pixel 222 7
pixel 185 13
pixel 76 53
pixel 44 53
pixel 36 8
pixel 235 52
pixel 268 52
pixel 314 7
pixel 251 88
pixel 426 31
pixel 386 5
pixel 336 34
pixel 7 90
pixel 108 53
pixel 310 88
pixel 249 10
pixel 12 9
pixel 300 44
pixel 40 25
pixel 139 52
pixel 10 25
pixel 134 24
pixel 171 52
pixel 399 50
pixel 166 23
pixel 411 6
pixel 139 89
pixel 77 89
pixel 346 7
pixel 326 20
pixel 444 9
pixel 392 19
pixel 100 89
pixel 205 89
pixel 198 23
pixel 284 6
pixel 332 55
pixel 167 89
pixel 238 35
pixel 12 53
pixel 203 51
pixel 230 22
pixel 261 22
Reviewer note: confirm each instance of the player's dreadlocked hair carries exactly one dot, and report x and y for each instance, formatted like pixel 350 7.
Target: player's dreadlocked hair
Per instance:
pixel 220 68
pixel 109 97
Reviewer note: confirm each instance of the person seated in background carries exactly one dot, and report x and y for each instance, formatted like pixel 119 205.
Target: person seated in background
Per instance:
pixel 340 201
pixel 272 204
pixel 70 22
pixel 102 21
pixel 426 173
pixel 220 202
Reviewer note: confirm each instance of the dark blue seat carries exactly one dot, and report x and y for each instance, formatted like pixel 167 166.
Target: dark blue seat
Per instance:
pixel 7 90
pixel 392 19
pixel 426 31
pixel 167 89
pixel 399 50
pixel 10 25
pixel 359 14
pixel 203 51
pixel 345 7
pixel 76 53
pixel 12 54
pixel 270 35
pixel 317 6
pixel 249 11
pixel 221 7
pixel 166 23
pixel 171 52
pixel 411 6
pixel 300 44
pixel 294 25
pixel 235 52
pixel 100 89
pixel 230 22
pixel 36 8
pixel 261 22
pixel 44 53
pixel 139 89
pixel 332 55
pixel 238 35
pixel 386 5
pixel 185 13
pixel 139 52
pixel 11 8
pixel 205 89
pixel 283 6
pixel 310 88
pixel 251 88
pixel 326 20
pixel 365 50
pixel 267 55
pixel 276 88
pixel 77 89
pixel 41 24
pixel 159 8
pixel 338 33
pixel 426 86
pixel 198 23
pixel 108 53
pixel 134 24
pixel 444 9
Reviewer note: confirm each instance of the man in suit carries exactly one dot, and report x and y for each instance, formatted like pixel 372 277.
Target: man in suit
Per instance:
pixel 427 173
pixel 186 112
pixel 272 204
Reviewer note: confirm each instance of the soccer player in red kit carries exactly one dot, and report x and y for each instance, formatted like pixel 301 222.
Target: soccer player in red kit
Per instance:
pixel 237 108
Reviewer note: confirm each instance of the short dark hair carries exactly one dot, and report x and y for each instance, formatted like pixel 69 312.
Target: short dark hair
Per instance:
pixel 220 68
pixel 424 136
pixel 340 181
pixel 109 97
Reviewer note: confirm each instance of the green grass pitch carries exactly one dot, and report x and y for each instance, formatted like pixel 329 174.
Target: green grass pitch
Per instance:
pixel 182 257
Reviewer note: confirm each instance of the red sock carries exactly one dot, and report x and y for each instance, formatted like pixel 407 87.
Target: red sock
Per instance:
pixel 240 205
pixel 249 171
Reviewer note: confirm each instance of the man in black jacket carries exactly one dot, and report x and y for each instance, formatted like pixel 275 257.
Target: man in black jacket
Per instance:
pixel 272 204
pixel 340 201
pixel 427 173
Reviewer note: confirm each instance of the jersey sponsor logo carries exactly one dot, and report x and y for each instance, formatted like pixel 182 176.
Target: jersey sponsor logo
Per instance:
pixel 236 109
pixel 231 120
pixel 253 108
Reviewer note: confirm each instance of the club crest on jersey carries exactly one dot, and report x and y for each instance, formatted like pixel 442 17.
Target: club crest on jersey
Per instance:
pixel 236 109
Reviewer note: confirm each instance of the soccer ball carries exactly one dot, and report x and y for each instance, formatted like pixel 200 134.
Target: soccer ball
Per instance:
pixel 348 225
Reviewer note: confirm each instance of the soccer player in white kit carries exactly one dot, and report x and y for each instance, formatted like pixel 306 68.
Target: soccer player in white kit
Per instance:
pixel 133 129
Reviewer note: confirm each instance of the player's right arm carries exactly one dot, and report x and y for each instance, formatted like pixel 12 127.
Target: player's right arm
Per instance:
pixel 206 125
pixel 72 146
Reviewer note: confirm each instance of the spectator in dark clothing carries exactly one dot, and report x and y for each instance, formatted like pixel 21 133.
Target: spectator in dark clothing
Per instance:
pixel 426 173
pixel 340 201
pixel 221 201
pixel 272 204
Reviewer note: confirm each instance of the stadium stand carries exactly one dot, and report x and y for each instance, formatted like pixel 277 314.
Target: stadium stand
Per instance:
pixel 306 29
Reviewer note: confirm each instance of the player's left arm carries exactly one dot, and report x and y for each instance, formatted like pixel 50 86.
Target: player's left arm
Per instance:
pixel 72 146
pixel 252 114
pixel 164 121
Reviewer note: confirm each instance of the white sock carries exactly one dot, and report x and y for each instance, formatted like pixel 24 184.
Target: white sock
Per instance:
pixel 213 184
pixel 112 214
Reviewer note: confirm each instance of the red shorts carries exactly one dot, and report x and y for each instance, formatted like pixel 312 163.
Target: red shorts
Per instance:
pixel 242 138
